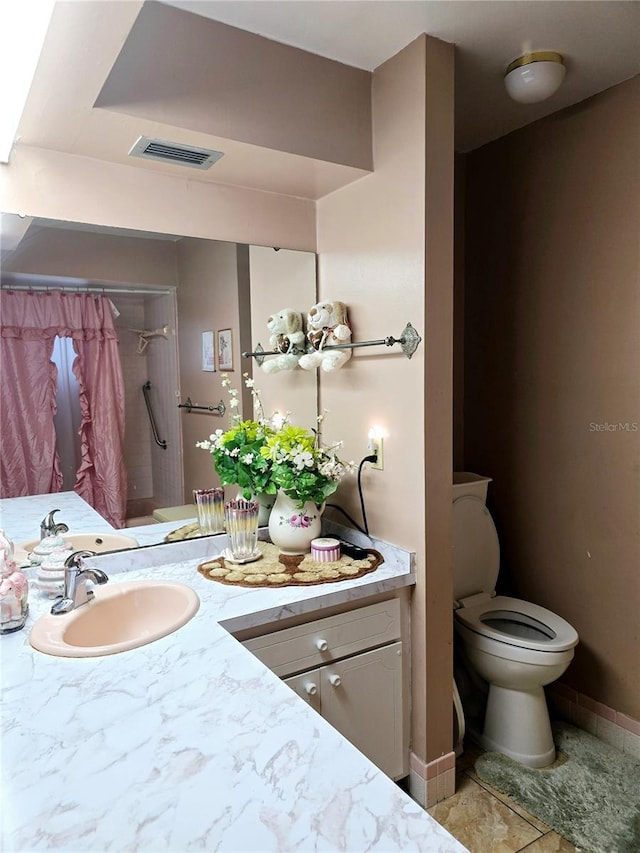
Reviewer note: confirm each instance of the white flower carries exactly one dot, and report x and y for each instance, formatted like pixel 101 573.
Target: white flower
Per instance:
pixel 303 459
pixel 249 382
pixel 235 452
pixel 247 458
pixel 320 418
pixel 233 403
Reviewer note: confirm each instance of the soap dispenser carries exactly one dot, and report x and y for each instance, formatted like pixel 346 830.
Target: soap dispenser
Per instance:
pixel 14 590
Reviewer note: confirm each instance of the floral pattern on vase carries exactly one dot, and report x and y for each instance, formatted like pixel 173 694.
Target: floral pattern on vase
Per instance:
pixel 292 527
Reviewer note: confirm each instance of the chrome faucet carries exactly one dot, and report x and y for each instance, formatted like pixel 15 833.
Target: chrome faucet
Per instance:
pixel 75 583
pixel 48 526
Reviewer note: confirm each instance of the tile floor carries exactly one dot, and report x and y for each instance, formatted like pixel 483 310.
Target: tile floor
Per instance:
pixel 487 821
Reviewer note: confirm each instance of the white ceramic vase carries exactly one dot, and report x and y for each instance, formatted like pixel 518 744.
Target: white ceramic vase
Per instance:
pixel 291 527
pixel 266 503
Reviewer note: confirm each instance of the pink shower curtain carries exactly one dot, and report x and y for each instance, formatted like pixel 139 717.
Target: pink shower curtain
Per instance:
pixel 29 322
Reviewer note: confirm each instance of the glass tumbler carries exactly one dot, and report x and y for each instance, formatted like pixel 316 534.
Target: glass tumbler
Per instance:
pixel 241 518
pixel 210 505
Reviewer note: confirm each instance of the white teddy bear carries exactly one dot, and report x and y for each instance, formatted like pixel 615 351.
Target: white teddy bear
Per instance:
pixel 327 325
pixel 287 337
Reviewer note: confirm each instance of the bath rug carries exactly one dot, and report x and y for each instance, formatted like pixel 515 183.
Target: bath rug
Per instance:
pixel 591 795
pixel 276 569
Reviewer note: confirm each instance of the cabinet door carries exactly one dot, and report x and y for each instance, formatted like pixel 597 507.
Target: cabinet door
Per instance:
pixel 362 698
pixel 307 686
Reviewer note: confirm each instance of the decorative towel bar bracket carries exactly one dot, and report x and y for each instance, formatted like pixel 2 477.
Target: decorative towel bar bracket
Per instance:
pixel 219 410
pixel 409 341
pixel 145 393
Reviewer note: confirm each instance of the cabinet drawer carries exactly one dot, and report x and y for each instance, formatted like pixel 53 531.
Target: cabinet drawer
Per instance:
pixel 306 646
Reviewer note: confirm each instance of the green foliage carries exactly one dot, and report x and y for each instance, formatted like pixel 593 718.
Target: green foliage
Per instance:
pixel 261 457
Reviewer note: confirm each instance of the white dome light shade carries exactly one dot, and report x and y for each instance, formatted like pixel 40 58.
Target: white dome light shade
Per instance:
pixel 534 77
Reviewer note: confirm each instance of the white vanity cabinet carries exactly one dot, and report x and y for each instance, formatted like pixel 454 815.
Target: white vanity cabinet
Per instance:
pixel 349 668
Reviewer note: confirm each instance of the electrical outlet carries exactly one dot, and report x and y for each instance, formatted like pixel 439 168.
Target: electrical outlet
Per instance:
pixel 379 464
pixel 375 445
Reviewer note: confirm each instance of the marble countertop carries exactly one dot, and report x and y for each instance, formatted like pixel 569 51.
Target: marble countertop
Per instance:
pixel 190 743
pixel 20 518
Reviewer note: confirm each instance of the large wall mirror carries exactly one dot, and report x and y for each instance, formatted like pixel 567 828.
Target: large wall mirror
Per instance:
pixel 185 291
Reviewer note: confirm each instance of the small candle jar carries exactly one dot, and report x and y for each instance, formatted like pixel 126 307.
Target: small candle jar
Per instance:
pixel 325 550
pixel 14 590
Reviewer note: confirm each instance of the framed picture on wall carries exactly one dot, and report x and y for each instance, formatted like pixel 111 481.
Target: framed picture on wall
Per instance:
pixel 225 350
pixel 208 353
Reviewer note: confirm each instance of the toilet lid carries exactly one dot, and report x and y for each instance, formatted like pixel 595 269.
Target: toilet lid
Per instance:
pixel 476 550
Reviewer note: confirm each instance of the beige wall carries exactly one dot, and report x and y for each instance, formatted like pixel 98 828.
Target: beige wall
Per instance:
pixel 54 185
pixel 280 280
pixel 458 313
pixel 95 257
pixel 207 301
pixel 226 82
pixel 384 248
pixel 552 351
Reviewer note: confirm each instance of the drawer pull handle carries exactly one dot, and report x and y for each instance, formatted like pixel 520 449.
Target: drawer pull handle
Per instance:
pixel 311 688
pixel 335 680
pixel 322 645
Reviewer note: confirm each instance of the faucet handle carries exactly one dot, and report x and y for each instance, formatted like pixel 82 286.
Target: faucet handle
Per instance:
pixel 49 527
pixel 75 560
pixel 75 588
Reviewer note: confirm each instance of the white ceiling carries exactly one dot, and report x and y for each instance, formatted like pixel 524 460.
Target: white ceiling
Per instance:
pixel 598 39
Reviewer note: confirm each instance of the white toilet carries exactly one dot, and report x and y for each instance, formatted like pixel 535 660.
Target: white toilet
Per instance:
pixel 515 646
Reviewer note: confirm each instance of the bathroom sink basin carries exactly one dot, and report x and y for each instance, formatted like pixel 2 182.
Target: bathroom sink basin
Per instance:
pixel 98 542
pixel 121 616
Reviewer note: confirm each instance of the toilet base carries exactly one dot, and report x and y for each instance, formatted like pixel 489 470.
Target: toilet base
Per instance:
pixel 517 724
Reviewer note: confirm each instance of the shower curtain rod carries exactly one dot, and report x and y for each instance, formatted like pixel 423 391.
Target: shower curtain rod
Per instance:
pixel 90 288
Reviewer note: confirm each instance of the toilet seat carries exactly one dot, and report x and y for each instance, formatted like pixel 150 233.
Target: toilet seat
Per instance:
pixel 501 617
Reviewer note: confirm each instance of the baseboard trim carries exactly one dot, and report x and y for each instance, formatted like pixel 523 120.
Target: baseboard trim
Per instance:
pixel 432 782
pixel 600 720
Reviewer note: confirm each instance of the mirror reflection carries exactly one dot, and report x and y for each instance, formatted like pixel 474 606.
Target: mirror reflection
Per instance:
pixel 184 307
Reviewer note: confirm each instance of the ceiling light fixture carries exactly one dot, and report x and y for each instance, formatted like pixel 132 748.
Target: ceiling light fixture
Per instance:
pixel 535 76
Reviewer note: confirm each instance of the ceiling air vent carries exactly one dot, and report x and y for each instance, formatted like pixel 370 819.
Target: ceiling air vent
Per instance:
pixel 171 152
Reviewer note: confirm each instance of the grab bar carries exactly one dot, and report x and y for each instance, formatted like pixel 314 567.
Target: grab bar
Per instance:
pixel 159 441
pixel 219 409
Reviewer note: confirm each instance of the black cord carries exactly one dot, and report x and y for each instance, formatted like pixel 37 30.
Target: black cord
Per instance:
pixel 346 515
pixel 372 458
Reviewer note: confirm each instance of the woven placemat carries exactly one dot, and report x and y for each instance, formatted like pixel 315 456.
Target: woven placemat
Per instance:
pixel 276 569
pixel 187 531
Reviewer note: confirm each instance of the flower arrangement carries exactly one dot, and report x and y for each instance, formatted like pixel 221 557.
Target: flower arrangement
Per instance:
pixel 300 467
pixel 265 455
pixel 236 453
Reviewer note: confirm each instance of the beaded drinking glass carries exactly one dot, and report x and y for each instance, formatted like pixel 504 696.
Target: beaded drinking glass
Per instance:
pixel 241 519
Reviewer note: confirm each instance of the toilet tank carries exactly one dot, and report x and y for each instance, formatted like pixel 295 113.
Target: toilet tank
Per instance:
pixel 465 483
